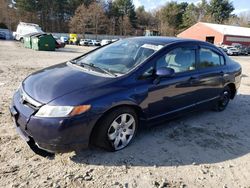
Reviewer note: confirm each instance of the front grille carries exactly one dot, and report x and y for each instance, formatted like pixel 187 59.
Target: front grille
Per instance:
pixel 27 100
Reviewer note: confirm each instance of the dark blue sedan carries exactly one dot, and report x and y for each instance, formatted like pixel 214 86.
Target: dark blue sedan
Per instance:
pixel 102 97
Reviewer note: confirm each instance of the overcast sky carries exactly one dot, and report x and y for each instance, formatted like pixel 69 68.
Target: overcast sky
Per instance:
pixel 239 5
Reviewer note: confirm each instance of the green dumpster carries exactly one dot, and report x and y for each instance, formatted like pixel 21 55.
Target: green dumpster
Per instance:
pixel 26 42
pixel 45 42
pixel 27 39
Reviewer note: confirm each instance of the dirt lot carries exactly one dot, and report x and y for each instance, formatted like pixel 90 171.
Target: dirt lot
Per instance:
pixel 205 149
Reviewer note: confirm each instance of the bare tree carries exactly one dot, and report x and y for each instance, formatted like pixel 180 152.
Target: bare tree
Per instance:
pixel 8 15
pixel 244 19
pixel 126 26
pixel 98 22
pixel 90 19
pixel 78 22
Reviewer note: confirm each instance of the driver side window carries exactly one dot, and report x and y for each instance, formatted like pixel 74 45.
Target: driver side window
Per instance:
pixel 179 59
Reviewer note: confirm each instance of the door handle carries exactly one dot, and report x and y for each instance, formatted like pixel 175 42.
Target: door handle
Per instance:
pixel 193 79
pixel 222 73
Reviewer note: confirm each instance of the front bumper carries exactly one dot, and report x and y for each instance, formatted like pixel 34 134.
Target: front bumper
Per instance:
pixel 52 134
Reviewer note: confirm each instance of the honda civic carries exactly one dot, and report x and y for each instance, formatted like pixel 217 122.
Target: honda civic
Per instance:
pixel 102 97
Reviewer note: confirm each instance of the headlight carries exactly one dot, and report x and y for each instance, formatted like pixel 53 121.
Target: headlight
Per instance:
pixel 61 111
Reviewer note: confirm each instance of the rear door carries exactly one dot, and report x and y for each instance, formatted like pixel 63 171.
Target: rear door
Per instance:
pixel 210 80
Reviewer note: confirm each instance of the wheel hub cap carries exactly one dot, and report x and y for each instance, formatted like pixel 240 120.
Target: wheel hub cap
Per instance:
pixel 121 130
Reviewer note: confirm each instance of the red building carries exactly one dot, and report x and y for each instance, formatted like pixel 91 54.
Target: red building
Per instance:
pixel 218 34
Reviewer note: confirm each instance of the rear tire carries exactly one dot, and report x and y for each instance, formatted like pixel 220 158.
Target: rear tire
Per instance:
pixel 222 103
pixel 116 130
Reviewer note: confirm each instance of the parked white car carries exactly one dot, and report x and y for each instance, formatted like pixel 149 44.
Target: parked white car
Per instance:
pixel 114 40
pixel 105 42
pixel 232 51
pixel 95 43
pixel 84 42
pixel 64 39
pixel 25 29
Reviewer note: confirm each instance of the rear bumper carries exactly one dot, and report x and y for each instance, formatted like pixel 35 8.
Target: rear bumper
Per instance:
pixel 53 134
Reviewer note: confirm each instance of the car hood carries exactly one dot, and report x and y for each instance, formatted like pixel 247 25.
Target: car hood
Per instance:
pixel 59 80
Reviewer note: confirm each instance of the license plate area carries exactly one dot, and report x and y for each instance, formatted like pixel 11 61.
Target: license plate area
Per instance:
pixel 15 116
pixel 18 118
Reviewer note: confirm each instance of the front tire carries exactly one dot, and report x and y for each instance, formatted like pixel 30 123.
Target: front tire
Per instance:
pixel 222 103
pixel 116 130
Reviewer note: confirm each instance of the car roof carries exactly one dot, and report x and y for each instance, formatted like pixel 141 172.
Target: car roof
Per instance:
pixel 167 40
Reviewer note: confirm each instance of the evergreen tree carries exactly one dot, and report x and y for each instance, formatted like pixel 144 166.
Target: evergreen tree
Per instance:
pixel 171 17
pixel 126 8
pixel 220 10
pixel 190 16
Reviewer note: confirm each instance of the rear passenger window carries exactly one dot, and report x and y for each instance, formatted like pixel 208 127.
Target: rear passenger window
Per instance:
pixel 208 58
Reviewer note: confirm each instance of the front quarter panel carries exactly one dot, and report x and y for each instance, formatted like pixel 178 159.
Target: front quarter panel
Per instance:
pixel 103 98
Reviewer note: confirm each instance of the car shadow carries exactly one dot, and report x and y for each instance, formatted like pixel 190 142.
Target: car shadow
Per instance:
pixel 199 138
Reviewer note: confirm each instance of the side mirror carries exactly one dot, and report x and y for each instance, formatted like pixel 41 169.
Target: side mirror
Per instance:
pixel 164 72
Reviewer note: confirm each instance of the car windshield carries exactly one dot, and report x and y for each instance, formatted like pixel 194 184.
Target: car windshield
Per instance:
pixel 121 56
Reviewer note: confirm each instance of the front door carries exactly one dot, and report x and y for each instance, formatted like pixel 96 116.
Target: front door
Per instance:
pixel 170 95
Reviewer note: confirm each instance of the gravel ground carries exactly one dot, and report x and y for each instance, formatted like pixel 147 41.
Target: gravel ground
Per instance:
pixel 204 149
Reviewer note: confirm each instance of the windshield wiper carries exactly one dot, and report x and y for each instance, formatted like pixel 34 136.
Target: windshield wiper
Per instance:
pixel 91 65
pixel 102 69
